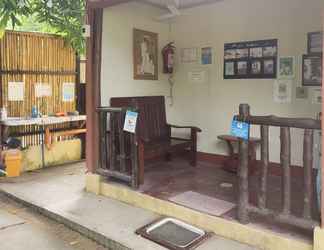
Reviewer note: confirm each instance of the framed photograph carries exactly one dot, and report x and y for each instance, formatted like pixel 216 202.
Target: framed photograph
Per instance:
pixel 145 55
pixel 189 55
pixel 256 67
pixel 206 55
pixel 230 54
pixel 268 67
pixel 312 70
pixel 242 67
pixel 286 67
pixel 229 69
pixel 315 42
pixel 256 52
pixel 270 51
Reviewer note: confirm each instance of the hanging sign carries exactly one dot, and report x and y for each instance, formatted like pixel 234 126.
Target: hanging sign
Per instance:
pixel 130 121
pixel 240 129
pixel 68 91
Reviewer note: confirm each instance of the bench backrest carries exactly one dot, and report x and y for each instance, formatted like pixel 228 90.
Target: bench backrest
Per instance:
pixel 152 124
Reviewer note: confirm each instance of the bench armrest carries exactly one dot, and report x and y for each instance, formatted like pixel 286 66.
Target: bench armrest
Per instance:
pixel 190 127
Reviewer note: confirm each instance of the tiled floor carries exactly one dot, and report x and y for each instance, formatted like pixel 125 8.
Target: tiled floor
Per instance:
pixel 165 180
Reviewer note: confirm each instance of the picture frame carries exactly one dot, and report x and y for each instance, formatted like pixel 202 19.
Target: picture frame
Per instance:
pixel 312 70
pixel 145 55
pixel 286 67
pixel 315 43
pixel 251 59
pixel 206 55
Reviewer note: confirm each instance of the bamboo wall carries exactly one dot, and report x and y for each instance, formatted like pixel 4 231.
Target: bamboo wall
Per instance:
pixel 36 58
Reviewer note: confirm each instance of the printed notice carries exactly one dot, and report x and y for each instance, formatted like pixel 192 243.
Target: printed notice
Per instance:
pixel 130 121
pixel 68 91
pixel 16 91
pixel 43 90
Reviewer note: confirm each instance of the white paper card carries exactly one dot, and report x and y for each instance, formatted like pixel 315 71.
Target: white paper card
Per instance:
pixel 43 90
pixel 130 121
pixel 317 96
pixel 198 76
pixel 16 91
pixel 282 91
pixel 189 55
pixel 68 91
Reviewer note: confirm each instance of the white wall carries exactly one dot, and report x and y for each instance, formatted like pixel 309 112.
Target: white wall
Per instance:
pixel 214 104
pixel 117 51
pixel 211 106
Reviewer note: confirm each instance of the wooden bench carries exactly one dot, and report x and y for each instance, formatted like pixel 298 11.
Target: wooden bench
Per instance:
pixel 153 131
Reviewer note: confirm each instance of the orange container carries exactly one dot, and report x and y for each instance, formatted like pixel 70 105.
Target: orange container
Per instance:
pixel 12 160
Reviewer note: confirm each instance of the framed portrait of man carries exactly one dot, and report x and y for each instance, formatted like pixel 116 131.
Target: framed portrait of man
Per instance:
pixel 312 70
pixel 145 55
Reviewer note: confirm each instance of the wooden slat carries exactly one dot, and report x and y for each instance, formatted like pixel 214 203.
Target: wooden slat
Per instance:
pixel 285 149
pixel 264 166
pixel 243 183
pixel 308 164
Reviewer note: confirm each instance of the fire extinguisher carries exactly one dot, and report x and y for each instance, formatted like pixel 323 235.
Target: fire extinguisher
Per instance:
pixel 168 58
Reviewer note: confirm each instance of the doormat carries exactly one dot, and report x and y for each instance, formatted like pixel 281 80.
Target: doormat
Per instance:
pixel 173 234
pixel 203 203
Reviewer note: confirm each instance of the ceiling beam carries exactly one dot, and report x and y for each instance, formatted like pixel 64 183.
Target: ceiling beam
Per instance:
pixel 100 4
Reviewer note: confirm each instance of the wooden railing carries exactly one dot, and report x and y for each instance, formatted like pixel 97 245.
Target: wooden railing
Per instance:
pixel 118 149
pixel 284 216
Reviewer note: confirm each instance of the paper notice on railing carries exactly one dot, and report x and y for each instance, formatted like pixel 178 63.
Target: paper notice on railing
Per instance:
pixel 130 121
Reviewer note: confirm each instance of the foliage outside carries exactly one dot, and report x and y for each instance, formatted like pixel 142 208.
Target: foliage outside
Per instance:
pixel 62 17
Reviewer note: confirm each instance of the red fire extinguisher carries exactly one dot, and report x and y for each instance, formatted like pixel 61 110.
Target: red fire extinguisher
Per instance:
pixel 168 58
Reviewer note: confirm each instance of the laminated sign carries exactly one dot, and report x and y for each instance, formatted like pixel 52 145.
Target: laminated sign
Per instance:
pixel 240 129
pixel 130 121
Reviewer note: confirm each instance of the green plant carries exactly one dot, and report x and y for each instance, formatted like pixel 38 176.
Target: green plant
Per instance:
pixel 62 17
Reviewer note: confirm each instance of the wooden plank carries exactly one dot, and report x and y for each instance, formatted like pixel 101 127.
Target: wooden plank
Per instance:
pixel 282 121
pixel 104 3
pixel 115 174
pixel 285 150
pixel 264 167
pixel 243 182
pixel 308 165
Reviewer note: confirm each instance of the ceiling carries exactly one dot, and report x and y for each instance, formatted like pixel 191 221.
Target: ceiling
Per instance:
pixel 183 4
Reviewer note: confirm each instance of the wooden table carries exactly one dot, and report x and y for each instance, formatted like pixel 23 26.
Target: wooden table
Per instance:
pixel 231 165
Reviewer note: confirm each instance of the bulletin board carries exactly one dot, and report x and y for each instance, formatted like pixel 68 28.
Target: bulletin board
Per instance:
pixel 251 60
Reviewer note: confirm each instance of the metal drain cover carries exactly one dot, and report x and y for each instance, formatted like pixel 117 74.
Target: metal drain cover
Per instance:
pixel 173 234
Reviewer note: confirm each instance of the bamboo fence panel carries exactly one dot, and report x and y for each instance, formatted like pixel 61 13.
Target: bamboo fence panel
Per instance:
pixel 35 58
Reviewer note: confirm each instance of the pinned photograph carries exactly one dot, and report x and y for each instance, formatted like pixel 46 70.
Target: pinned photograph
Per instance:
pixel 242 53
pixel 256 67
pixel 269 67
pixel 256 52
pixel 317 96
pixel 206 55
pixel 282 91
pixel 315 42
pixel 269 51
pixel 301 93
pixel 230 54
pixel 286 67
pixel 229 69
pixel 312 70
pixel 242 68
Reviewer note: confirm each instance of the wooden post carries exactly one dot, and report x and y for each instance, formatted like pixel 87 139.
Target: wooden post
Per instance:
pixel 322 163
pixel 93 74
pixel 243 181
pixel 122 153
pixel 308 165
pixel 193 147
pixel 134 157
pixel 103 141
pixel 265 165
pixel 285 149
pixel 112 144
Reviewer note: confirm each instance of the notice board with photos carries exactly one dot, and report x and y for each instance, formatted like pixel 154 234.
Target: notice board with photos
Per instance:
pixel 251 60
